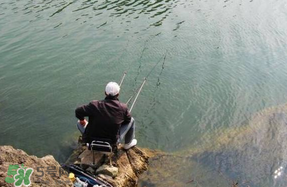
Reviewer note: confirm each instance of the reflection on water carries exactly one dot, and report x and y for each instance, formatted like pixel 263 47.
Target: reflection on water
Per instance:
pixel 278 172
pixel 157 11
pixel 219 63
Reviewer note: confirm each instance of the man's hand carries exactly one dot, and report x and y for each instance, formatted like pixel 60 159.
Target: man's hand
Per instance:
pixel 83 122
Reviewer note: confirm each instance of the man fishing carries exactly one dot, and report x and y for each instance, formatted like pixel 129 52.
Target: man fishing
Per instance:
pixel 108 119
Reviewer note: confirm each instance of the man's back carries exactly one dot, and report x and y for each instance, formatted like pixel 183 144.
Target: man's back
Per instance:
pixel 105 118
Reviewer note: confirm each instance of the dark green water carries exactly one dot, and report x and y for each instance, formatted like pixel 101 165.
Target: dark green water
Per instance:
pixel 225 60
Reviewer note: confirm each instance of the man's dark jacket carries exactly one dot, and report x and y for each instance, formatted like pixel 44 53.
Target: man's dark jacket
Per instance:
pixel 105 118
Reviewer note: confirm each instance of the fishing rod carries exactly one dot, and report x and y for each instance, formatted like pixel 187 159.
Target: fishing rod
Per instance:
pixel 138 94
pixel 123 78
pixel 129 99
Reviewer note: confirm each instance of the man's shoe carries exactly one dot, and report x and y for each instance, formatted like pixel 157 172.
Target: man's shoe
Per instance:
pixel 130 145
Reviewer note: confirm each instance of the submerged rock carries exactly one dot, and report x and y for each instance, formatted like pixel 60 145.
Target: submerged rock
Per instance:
pixel 251 153
pixel 47 171
pixel 179 171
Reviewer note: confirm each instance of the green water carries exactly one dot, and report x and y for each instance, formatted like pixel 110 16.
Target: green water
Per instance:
pixel 225 60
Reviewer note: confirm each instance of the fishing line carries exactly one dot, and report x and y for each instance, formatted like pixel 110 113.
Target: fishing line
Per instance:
pixel 152 104
pixel 143 83
pixel 141 56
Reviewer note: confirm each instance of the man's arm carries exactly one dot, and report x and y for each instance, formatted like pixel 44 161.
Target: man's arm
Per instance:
pixel 83 111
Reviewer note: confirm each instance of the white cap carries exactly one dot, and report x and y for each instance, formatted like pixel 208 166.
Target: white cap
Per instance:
pixel 112 88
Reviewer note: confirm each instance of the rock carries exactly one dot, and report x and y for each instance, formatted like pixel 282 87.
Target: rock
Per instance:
pixel 108 170
pixel 46 171
pixel 86 158
pixel 130 165
pixel 105 177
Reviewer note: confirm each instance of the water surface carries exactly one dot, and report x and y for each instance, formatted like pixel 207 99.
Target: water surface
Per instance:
pixel 219 63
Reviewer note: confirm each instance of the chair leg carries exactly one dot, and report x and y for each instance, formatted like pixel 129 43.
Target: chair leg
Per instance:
pixel 110 158
pixel 93 157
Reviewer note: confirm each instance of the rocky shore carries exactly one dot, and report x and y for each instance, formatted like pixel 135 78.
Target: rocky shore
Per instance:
pixel 48 172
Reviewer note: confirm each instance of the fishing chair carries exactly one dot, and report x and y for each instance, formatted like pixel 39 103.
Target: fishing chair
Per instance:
pixel 102 145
